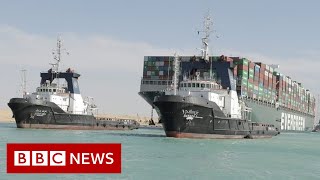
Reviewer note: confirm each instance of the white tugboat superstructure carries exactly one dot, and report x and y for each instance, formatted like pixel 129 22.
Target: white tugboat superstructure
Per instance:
pixel 58 104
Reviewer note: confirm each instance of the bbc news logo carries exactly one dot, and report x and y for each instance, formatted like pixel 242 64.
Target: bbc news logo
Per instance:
pixel 64 158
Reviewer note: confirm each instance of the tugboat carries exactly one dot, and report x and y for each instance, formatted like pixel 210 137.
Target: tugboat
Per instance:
pixel 58 106
pixel 197 106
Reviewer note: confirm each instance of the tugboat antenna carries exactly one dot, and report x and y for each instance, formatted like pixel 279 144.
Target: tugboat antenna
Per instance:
pixel 176 73
pixel 24 82
pixel 207 23
pixel 57 54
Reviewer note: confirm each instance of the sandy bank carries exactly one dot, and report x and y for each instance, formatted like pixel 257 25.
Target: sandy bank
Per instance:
pixel 6 115
pixel 141 120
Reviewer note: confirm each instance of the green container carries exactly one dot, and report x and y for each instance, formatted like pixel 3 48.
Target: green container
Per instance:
pixel 243 73
pixel 244 61
pixel 251 76
pixel 260 89
pixel 243 78
pixel 250 86
pixel 244 83
pixel 251 71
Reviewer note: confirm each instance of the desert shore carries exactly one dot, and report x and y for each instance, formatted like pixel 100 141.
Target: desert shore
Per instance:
pixel 6 115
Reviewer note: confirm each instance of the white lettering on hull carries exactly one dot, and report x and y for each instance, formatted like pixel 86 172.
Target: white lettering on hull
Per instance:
pixel 292 122
pixel 40 113
pixel 190 114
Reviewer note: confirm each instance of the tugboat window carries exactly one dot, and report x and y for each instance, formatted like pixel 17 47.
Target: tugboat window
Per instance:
pixel 193 85
pixel 189 84
pixel 54 90
pixel 207 85
pixel 198 85
pixel 202 85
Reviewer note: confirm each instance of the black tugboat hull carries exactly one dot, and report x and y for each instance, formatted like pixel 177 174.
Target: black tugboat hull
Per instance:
pixel 47 115
pixel 192 117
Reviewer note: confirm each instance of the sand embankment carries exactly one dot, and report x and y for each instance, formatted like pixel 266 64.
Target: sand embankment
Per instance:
pixel 6 115
pixel 141 120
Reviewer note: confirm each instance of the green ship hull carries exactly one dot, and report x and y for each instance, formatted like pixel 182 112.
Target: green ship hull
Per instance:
pixel 283 119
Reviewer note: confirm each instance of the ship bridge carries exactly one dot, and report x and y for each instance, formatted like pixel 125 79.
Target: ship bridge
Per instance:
pixel 50 89
pixel 70 76
pixel 199 85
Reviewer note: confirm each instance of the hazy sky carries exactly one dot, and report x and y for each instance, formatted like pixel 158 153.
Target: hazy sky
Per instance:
pixel 108 39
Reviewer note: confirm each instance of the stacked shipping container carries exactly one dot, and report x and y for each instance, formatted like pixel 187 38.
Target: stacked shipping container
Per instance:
pixel 254 80
pixel 158 68
pixel 260 82
pixel 271 87
pixel 242 66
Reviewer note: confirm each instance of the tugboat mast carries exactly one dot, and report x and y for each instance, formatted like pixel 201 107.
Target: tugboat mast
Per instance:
pixel 207 23
pixel 176 73
pixel 24 82
pixel 57 55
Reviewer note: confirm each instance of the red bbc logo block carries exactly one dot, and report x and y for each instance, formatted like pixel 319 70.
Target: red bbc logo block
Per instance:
pixel 64 158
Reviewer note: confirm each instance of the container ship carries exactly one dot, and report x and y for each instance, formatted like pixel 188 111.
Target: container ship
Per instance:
pixel 55 105
pixel 269 96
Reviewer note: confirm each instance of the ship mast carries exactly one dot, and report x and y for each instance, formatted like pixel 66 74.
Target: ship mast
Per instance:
pixel 57 54
pixel 24 82
pixel 207 23
pixel 176 73
pixel 57 57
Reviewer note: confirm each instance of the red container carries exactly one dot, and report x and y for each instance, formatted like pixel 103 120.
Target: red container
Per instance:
pixel 242 67
pixel 274 79
pixel 251 65
pixel 262 66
